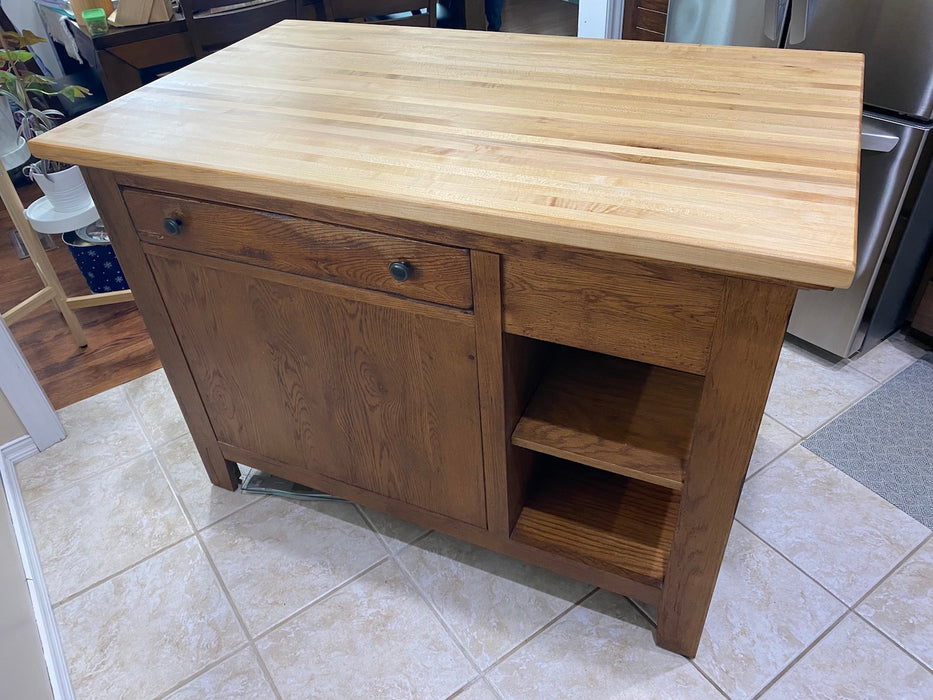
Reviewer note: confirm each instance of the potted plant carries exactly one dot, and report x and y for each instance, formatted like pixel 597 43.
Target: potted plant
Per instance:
pixel 25 90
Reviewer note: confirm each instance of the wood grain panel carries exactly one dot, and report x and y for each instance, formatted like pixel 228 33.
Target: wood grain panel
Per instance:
pixel 112 210
pixel 624 417
pixel 487 297
pixel 360 258
pixel 637 310
pixel 370 395
pixel 733 158
pixel 603 520
pixel 745 351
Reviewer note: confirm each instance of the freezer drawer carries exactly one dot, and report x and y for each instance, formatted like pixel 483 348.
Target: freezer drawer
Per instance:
pixel 896 37
pixel 733 22
pixel 833 320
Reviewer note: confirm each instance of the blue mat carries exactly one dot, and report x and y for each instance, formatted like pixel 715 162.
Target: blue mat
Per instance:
pixel 885 441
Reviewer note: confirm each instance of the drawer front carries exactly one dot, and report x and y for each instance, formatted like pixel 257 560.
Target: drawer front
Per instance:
pixel 435 273
pixel 642 311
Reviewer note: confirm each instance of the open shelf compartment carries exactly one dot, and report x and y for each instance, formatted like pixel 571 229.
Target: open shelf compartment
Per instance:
pixel 604 520
pixel 616 415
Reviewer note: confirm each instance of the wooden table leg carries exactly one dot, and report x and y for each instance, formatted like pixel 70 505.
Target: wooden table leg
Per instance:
pixel 745 349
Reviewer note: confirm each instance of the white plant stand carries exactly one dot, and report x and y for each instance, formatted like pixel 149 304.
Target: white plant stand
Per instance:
pixel 42 218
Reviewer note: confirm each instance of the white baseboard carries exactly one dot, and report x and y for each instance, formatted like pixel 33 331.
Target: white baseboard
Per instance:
pixel 10 454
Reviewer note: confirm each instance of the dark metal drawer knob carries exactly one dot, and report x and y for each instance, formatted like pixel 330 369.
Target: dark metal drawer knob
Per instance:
pixel 172 226
pixel 400 271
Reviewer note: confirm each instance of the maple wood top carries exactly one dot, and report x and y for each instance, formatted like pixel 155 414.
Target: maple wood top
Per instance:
pixel 738 159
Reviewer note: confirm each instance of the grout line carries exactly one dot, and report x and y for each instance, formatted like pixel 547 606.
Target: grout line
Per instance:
pixel 525 642
pixel 109 577
pixel 209 667
pixel 250 642
pixel 893 570
pixel 891 639
pixel 806 650
pixel 692 661
pixel 792 563
pixel 320 599
pixel 437 613
pixel 453 695
pixel 84 476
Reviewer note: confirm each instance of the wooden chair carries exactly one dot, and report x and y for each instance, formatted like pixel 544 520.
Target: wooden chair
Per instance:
pixel 214 24
pixel 415 13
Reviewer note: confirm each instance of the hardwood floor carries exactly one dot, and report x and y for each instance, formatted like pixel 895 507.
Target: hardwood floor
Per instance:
pixel 555 17
pixel 119 348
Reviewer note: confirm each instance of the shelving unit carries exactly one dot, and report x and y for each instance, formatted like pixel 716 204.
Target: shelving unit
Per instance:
pixel 610 438
pixel 607 521
pixel 617 415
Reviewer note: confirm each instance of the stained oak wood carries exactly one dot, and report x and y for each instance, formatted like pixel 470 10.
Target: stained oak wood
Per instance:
pixel 360 258
pixel 667 313
pixel 379 398
pixel 487 295
pixel 604 520
pixel 739 159
pixel 116 219
pixel 745 351
pixel 624 417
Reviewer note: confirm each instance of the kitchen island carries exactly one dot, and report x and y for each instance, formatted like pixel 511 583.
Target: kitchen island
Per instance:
pixel 528 291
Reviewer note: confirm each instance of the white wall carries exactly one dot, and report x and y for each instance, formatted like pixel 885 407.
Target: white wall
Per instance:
pixel 24 15
pixel 11 427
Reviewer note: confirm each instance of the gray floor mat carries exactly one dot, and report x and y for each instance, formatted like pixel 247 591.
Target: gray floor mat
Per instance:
pixel 885 441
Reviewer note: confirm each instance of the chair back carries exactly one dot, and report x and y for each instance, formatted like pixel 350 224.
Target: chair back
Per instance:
pixel 416 13
pixel 214 24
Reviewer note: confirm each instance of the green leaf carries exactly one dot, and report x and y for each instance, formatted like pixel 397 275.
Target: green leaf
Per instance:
pixel 18 41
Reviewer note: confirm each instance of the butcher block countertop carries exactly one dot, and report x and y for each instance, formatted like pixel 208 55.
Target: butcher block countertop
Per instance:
pixel 742 160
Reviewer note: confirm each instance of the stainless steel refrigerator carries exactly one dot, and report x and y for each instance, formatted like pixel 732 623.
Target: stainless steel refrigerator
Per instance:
pixel 895 227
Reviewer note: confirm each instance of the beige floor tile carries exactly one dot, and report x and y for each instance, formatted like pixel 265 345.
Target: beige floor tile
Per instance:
pixel 143 632
pixel 477 690
pixel 158 410
pixel 103 524
pixel 807 390
pixel 839 532
pixel 773 440
pixel 102 433
pixel 278 555
pixel 902 606
pixel 375 638
pixel 491 602
pixel 764 612
pixel 854 661
pixel 396 533
pixel 887 359
pixel 603 648
pixel 237 678
pixel 206 503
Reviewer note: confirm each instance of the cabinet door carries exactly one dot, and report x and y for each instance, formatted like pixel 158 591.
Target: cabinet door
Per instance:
pixel 378 396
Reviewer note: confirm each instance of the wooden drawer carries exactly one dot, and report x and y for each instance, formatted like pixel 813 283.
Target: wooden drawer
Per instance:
pixel 439 274
pixel 644 311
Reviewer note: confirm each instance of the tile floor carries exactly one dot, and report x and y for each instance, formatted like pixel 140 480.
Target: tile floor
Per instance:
pixel 165 587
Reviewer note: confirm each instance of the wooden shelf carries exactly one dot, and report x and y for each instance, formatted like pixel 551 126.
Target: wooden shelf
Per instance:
pixel 604 520
pixel 612 414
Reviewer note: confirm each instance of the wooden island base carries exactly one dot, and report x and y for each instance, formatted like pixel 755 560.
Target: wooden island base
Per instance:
pixel 527 291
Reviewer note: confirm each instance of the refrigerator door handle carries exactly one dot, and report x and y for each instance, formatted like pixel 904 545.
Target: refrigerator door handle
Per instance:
pixel 770 26
pixel 874 139
pixel 797 30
